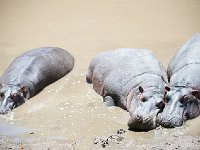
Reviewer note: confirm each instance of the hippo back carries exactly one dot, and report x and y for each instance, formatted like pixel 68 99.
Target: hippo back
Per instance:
pixel 187 55
pixel 38 68
pixel 121 66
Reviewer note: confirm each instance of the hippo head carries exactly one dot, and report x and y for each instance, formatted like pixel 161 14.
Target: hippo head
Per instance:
pixel 144 109
pixel 11 96
pixel 181 104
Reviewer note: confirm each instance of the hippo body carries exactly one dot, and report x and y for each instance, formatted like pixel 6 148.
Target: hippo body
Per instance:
pixel 132 79
pixel 182 98
pixel 29 73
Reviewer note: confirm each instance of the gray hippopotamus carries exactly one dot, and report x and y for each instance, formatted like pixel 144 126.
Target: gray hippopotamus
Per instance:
pixel 29 73
pixel 132 79
pixel 182 100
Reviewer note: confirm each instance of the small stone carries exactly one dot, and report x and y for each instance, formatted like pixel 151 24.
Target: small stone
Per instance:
pixel 96 141
pixel 192 141
pixel 121 131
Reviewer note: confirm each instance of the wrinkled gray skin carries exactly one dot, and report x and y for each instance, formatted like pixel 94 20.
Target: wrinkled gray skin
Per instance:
pixel 182 98
pixel 132 79
pixel 29 73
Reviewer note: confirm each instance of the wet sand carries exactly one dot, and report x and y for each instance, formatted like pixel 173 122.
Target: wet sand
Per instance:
pixel 68 114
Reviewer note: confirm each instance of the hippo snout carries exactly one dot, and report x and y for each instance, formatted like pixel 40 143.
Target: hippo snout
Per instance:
pixel 6 106
pixel 169 121
pixel 140 123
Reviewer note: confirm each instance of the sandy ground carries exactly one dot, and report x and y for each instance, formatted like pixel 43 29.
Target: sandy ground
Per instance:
pixel 113 141
pixel 68 114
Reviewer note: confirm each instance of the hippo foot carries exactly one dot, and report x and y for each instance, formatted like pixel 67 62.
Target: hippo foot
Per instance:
pixel 108 101
pixel 88 80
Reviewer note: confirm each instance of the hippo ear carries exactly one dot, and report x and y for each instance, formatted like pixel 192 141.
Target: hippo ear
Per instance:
pixel 141 89
pixel 22 88
pixel 167 88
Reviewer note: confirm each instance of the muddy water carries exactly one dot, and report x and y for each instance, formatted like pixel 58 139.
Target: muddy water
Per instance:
pixel 69 109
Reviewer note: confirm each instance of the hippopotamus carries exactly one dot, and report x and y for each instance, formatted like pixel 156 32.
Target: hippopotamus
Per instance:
pixel 30 72
pixel 132 79
pixel 182 99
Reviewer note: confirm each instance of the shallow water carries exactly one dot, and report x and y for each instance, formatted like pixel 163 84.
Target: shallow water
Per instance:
pixel 69 109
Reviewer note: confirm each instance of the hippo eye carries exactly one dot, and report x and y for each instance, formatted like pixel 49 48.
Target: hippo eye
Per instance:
pixel 184 99
pixel 2 95
pixel 166 99
pixel 161 106
pixel 143 99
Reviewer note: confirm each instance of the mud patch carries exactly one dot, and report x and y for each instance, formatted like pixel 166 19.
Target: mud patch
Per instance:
pixel 7 129
pixel 175 143
pixel 165 139
pixel 7 143
pixel 114 139
pixel 69 109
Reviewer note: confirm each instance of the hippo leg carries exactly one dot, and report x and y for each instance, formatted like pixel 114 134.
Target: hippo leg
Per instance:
pixel 108 101
pixel 89 75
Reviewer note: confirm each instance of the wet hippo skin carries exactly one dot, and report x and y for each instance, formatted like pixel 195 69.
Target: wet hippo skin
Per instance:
pixel 182 100
pixel 30 72
pixel 132 79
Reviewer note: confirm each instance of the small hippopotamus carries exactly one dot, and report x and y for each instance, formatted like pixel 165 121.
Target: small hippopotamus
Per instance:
pixel 29 73
pixel 182 99
pixel 132 79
